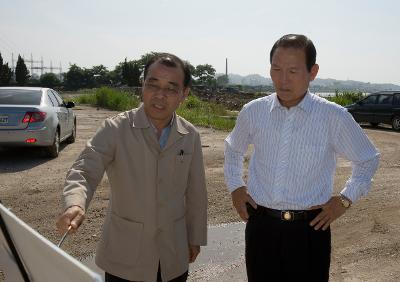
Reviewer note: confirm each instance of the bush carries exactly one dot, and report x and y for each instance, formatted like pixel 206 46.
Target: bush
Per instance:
pixel 206 114
pixel 346 97
pixel 193 109
pixel 110 99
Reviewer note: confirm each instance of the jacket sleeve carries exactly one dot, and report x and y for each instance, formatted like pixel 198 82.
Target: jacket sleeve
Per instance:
pixel 88 170
pixel 196 198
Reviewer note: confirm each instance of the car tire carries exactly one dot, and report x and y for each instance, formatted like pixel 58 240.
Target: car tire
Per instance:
pixel 396 123
pixel 54 149
pixel 71 139
pixel 374 124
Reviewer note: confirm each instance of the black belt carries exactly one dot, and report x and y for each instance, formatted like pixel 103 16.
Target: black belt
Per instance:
pixel 285 215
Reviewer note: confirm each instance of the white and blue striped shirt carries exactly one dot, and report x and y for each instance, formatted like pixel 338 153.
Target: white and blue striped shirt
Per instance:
pixel 295 150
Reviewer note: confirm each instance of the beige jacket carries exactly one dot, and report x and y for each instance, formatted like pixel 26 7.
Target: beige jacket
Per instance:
pixel 158 202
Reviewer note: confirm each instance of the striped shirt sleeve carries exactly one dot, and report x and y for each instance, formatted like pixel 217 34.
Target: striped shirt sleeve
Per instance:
pixel 236 145
pixel 354 145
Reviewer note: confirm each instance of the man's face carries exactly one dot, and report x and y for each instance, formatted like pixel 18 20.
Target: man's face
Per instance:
pixel 290 75
pixel 162 92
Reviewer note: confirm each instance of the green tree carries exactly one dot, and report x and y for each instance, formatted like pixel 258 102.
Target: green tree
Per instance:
pixel 74 78
pixel 101 75
pixel 88 78
pixel 116 75
pixel 222 80
pixel 6 75
pixel 1 63
pixel 144 59
pixel 131 73
pixel 21 72
pixel 205 74
pixel 191 68
pixel 49 80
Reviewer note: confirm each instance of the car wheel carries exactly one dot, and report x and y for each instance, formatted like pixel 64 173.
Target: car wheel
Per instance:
pixel 396 123
pixel 71 139
pixel 374 124
pixel 54 149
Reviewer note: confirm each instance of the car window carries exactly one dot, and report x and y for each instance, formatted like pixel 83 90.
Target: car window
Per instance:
pixel 58 101
pixel 369 100
pixel 48 101
pixel 396 99
pixel 52 99
pixel 385 99
pixel 20 97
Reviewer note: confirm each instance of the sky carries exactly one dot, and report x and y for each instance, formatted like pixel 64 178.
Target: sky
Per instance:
pixel 355 39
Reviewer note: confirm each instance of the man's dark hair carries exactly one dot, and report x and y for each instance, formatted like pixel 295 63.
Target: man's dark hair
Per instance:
pixel 172 61
pixel 297 41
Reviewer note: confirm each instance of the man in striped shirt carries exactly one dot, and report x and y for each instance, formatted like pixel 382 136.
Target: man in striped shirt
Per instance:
pixel 288 201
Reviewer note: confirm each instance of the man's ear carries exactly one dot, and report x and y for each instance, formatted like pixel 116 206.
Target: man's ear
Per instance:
pixel 185 93
pixel 314 71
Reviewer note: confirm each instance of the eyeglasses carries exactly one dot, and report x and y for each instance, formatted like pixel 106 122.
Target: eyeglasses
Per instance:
pixel 169 91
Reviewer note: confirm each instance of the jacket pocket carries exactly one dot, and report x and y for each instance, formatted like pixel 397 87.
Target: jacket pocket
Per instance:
pixel 123 240
pixel 182 168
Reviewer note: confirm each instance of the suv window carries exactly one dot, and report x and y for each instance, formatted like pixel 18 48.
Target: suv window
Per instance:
pixel 396 99
pixel 369 100
pixel 385 99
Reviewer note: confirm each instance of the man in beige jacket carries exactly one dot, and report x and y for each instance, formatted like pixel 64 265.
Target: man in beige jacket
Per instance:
pixel 157 213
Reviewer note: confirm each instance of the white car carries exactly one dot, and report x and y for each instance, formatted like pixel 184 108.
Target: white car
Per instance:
pixel 37 117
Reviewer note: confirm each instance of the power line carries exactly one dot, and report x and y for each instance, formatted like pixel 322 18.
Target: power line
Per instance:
pixel 38 65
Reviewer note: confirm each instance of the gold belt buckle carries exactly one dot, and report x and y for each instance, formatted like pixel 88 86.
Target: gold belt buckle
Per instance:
pixel 287 215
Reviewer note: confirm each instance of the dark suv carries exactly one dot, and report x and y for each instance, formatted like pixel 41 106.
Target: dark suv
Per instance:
pixel 376 108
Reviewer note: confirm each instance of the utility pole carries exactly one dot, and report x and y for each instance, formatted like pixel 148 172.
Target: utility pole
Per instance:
pixel 226 67
pixel 12 63
pixel 39 65
pixel 31 64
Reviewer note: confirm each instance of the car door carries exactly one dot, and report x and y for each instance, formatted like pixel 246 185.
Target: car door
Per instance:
pixel 62 114
pixel 69 115
pixel 383 109
pixel 363 109
pixel 396 104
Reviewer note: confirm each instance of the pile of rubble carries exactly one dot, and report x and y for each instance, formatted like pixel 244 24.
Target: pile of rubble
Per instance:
pixel 232 100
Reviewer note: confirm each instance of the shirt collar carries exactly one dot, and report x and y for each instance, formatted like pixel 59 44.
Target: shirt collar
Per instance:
pixel 305 104
pixel 140 120
pixel 168 126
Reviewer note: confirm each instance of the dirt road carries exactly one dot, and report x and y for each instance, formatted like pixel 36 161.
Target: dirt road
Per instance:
pixel 366 240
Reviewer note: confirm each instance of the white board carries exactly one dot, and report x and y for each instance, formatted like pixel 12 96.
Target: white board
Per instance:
pixel 43 260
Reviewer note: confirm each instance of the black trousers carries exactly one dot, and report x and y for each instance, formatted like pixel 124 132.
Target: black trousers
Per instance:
pixel 278 250
pixel 111 278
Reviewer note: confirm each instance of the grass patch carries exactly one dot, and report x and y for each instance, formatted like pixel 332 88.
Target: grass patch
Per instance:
pixel 206 114
pixel 109 98
pixel 193 109
pixel 346 97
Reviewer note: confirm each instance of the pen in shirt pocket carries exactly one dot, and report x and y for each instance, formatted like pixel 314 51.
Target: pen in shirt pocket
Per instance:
pixel 181 153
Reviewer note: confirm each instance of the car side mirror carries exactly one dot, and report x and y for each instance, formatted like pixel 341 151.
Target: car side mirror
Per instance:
pixel 70 104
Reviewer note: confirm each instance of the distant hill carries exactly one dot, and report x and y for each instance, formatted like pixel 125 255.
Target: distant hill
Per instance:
pixel 329 84
pixel 318 85
pixel 251 79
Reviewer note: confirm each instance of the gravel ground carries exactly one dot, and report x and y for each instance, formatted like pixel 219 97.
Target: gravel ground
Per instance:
pixel 366 240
